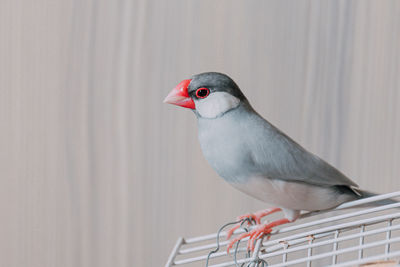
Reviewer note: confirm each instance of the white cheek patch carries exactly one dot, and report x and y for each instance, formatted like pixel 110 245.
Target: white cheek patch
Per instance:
pixel 216 104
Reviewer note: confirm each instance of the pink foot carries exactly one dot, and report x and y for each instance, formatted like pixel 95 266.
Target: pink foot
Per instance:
pixel 257 216
pixel 257 233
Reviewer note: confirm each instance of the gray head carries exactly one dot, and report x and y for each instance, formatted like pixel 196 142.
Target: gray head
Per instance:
pixel 209 94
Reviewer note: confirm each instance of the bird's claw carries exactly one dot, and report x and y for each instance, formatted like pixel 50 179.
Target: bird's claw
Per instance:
pixel 242 219
pixel 255 234
pixel 251 217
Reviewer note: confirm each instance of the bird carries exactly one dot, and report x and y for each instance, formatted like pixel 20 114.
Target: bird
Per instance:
pixel 257 158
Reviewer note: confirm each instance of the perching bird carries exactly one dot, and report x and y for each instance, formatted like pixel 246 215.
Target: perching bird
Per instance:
pixel 257 158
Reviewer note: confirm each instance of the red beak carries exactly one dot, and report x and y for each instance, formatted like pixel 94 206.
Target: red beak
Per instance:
pixel 179 96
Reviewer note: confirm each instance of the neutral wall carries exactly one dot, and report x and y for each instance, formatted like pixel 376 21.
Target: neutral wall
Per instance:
pixel 96 171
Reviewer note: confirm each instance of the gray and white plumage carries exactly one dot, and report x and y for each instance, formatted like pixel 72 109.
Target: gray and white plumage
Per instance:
pixel 257 158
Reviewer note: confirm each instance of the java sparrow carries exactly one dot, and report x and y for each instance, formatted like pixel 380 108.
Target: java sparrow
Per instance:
pixel 256 157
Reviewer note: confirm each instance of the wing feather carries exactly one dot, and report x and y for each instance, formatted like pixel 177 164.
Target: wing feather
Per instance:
pixel 277 156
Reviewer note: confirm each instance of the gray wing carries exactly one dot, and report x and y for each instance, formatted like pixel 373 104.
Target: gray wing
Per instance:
pixel 277 156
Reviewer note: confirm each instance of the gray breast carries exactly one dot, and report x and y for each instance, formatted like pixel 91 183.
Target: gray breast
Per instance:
pixel 226 146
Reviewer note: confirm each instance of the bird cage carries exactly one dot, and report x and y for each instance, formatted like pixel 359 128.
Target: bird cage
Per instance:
pixel 356 233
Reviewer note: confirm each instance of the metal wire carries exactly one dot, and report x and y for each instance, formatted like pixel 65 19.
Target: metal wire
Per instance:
pixel 235 255
pixel 256 262
pixel 219 232
pixel 242 221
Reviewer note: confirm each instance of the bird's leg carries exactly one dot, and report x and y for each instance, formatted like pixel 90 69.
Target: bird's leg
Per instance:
pixel 257 233
pixel 256 217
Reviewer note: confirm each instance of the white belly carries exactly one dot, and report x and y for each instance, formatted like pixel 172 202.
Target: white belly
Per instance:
pixel 290 195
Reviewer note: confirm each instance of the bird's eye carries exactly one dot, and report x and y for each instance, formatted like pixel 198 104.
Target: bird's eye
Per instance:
pixel 202 92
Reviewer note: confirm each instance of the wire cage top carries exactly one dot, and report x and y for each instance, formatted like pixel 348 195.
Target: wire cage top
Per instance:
pixel 354 234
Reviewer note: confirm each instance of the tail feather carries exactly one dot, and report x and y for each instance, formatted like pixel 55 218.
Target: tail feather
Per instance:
pixel 366 194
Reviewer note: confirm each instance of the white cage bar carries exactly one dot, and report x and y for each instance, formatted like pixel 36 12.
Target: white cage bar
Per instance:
pixel 352 234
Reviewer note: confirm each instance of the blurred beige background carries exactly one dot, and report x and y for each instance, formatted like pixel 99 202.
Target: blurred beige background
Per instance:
pixel 96 171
